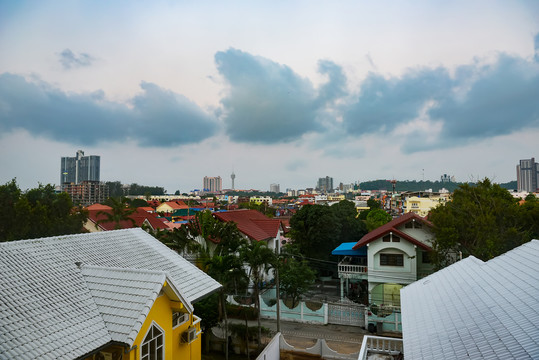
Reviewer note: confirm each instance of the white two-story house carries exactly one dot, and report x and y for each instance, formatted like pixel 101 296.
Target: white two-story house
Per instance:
pixel 386 259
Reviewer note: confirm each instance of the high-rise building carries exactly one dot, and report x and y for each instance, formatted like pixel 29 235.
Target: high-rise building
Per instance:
pixel 75 170
pixel 212 184
pixel 233 176
pixel 275 188
pixel 528 175
pixel 87 192
pixel 325 184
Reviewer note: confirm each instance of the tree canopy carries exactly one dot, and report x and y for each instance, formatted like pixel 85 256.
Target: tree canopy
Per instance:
pixel 483 220
pixel 318 229
pixel 36 213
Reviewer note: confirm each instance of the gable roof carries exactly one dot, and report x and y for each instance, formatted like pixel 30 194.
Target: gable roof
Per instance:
pixel 252 223
pixel 124 297
pixel 46 300
pixel 98 207
pixel 139 217
pixel 392 227
pixel 174 204
pixel 476 310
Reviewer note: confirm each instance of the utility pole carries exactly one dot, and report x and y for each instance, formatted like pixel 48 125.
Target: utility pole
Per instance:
pixel 277 288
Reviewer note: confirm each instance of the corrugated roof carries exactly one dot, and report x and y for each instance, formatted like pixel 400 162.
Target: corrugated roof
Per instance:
pixel 475 310
pixel 47 309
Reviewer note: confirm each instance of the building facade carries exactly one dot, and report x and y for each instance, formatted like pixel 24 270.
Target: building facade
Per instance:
pixel 75 170
pixel 212 184
pixel 325 184
pixel 275 188
pixel 528 175
pixel 87 193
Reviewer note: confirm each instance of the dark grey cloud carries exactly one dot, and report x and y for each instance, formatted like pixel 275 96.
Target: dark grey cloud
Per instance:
pixel 476 102
pixel 157 117
pixel 70 60
pixel 384 103
pixel 503 99
pixel 267 102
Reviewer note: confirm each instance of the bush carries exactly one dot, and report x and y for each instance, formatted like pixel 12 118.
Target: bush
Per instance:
pixel 239 312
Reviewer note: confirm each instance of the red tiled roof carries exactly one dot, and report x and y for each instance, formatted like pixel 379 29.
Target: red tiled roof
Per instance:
pixel 146 208
pixel 252 223
pixel 177 204
pixel 392 227
pixel 138 217
pixel 98 207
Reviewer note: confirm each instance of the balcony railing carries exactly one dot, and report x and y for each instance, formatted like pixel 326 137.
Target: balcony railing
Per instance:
pixel 352 269
pixel 379 345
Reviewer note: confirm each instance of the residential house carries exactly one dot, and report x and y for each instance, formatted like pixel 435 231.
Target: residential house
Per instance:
pixel 422 205
pixel 169 207
pixel 97 220
pixel 254 226
pixel 471 310
pixel 386 259
pixel 107 295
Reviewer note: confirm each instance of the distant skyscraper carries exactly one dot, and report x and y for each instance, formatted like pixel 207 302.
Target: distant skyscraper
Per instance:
pixel 275 188
pixel 75 170
pixel 233 176
pixel 528 175
pixel 325 184
pixel 212 184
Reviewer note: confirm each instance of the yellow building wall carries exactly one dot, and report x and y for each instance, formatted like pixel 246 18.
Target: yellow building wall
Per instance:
pixel 161 314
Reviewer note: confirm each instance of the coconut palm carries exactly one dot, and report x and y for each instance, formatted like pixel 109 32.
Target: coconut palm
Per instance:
pixel 121 211
pixel 260 260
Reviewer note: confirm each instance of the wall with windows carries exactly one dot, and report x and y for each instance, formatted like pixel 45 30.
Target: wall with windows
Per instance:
pixel 160 318
pixel 391 259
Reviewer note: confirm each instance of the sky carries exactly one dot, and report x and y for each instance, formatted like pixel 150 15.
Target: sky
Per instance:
pixel 285 92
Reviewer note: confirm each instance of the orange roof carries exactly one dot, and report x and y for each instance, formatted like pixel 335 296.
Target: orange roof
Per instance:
pixel 392 227
pixel 252 223
pixel 177 204
pixel 98 207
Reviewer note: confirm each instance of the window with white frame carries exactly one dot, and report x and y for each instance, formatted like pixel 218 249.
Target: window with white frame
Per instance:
pixel 153 347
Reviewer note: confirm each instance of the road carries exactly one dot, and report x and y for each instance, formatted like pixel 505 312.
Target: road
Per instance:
pixel 341 338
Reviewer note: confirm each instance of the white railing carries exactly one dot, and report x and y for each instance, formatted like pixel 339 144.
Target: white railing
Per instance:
pixel 352 269
pixel 379 345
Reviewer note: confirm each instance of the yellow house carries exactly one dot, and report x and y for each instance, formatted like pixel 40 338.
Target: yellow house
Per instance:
pixel 116 295
pixel 422 205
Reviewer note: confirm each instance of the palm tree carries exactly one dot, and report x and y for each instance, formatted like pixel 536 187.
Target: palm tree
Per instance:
pixel 260 259
pixel 120 212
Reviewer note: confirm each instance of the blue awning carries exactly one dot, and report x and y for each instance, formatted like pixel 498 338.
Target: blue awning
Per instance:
pixel 346 249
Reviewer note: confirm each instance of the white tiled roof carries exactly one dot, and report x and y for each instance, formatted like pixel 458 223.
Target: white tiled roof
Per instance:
pixel 124 297
pixel 47 309
pixel 475 310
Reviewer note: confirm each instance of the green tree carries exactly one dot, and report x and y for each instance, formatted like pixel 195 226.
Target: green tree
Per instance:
pixel 482 220
pixel 260 260
pixel 120 212
pixel 377 218
pixel 39 212
pixel 295 276
pixel 318 229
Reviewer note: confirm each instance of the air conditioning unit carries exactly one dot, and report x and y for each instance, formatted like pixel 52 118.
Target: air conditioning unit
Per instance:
pixel 103 355
pixel 189 335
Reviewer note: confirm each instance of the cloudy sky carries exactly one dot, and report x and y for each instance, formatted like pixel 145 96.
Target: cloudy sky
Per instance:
pixel 167 92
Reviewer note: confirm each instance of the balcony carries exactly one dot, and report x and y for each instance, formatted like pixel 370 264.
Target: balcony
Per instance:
pixel 372 345
pixel 352 271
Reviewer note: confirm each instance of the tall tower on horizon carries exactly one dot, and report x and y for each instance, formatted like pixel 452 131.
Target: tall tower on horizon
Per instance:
pixel 75 170
pixel 528 175
pixel 232 176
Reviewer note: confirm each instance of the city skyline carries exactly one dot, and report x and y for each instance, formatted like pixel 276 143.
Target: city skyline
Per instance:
pixel 285 93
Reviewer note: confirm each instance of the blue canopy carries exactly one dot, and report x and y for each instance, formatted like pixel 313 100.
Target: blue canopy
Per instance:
pixel 346 249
